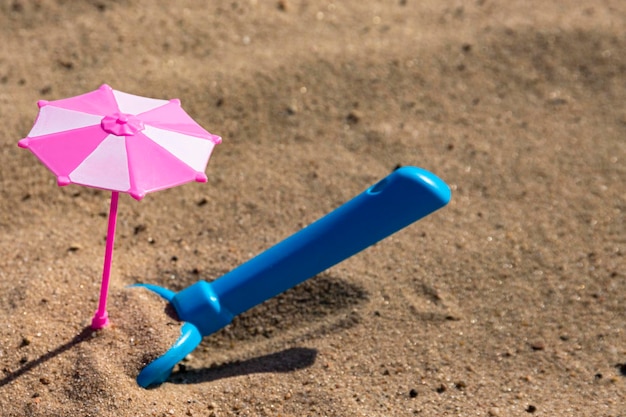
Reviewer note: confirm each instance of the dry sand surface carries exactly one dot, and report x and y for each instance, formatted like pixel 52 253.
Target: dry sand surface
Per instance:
pixel 508 302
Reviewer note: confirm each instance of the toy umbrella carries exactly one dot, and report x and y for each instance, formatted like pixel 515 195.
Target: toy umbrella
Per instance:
pixel 120 142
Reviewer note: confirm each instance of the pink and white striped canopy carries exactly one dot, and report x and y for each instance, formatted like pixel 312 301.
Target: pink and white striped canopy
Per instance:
pixel 120 142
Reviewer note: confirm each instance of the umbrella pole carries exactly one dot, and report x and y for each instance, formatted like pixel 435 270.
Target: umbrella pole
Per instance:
pixel 101 317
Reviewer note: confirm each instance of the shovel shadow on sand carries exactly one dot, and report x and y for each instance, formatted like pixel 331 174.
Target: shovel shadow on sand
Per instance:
pixel 323 303
pixel 285 361
pixel 84 335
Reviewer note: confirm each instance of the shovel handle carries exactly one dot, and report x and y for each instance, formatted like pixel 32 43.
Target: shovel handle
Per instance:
pixel 403 197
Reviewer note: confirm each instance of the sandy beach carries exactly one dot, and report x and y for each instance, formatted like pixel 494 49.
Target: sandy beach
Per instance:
pixel 507 302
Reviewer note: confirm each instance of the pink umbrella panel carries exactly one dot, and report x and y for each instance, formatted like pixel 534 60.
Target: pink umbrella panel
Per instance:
pixel 120 142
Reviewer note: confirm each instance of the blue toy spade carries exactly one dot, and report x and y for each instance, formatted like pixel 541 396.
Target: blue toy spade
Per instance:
pixel 403 197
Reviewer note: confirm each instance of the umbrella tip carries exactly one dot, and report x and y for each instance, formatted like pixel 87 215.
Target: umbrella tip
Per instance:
pixel 201 177
pixel 23 143
pixel 100 320
pixel 105 87
pixel 216 139
pixel 63 180
pixel 175 101
pixel 137 194
pixel 42 103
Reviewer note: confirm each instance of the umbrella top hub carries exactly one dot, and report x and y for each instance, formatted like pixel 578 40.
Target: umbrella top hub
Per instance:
pixel 121 124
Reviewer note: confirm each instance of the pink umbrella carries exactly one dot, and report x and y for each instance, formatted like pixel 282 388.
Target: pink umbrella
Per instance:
pixel 121 142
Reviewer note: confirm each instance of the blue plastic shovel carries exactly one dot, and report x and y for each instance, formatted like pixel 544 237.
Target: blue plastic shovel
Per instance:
pixel 403 197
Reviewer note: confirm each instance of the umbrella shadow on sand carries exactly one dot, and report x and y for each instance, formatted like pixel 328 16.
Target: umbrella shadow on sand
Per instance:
pixel 288 360
pixel 84 335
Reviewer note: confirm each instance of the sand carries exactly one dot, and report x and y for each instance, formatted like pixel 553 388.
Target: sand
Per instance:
pixel 507 302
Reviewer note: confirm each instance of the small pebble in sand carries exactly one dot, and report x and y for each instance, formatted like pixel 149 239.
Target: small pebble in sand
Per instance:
pixel 139 228
pixel 413 393
pixel 354 117
pixel 291 110
pixel 494 412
